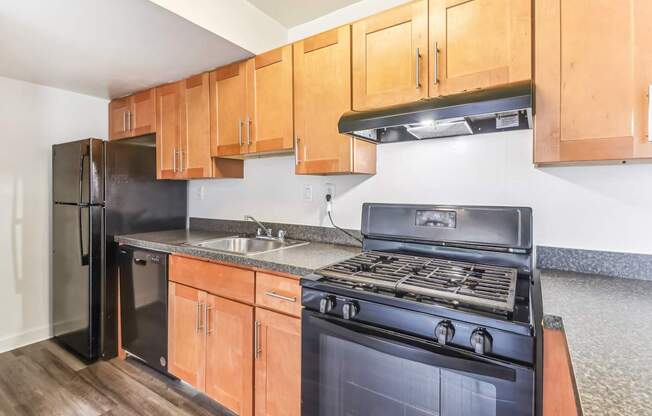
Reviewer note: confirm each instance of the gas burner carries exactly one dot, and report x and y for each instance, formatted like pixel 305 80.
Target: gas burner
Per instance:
pixel 453 282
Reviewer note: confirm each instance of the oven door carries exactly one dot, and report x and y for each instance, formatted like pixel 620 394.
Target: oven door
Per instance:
pixel 351 369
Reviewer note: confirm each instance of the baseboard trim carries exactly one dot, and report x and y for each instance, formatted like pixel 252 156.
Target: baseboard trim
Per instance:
pixel 11 342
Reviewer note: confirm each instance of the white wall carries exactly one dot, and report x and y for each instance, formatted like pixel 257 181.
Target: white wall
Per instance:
pixel 33 117
pixel 591 207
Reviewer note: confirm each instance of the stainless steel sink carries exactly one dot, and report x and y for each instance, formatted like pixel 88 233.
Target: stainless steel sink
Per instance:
pixel 246 246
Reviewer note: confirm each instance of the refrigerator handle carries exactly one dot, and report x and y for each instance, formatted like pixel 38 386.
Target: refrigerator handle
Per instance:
pixel 84 258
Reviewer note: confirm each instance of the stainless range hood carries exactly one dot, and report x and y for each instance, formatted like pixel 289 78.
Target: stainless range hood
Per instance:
pixel 483 111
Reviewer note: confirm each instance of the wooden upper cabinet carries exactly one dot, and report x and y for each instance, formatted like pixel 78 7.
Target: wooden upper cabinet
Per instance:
pixel 390 53
pixel 143 117
pixel 132 116
pixel 168 130
pixel 229 354
pixel 195 156
pixel 118 118
pixel 593 73
pixel 186 338
pixel 270 97
pixel 478 44
pixel 229 109
pixel 322 93
pixel 278 364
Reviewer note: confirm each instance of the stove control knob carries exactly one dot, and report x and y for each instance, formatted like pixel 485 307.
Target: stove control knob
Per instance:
pixel 481 341
pixel 350 310
pixel 326 304
pixel 444 332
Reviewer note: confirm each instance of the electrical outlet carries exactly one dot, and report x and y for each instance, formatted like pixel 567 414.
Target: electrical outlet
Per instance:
pixel 307 193
pixel 329 189
pixel 201 193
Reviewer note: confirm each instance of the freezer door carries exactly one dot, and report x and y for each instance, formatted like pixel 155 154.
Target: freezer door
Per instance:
pixel 76 277
pixel 78 172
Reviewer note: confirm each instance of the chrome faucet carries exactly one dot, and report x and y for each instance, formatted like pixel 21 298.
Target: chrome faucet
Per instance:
pixel 268 231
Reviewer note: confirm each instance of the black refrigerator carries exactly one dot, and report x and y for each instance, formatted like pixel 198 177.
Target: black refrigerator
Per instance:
pixel 101 189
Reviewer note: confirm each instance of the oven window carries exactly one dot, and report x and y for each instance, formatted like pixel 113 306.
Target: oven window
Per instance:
pixel 358 381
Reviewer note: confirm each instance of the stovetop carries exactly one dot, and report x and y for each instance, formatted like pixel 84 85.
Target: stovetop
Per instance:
pixel 428 279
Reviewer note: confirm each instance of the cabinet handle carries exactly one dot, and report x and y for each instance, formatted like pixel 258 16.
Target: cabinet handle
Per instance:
pixel 257 349
pixel 182 166
pixel 240 131
pixel 174 160
pixel 418 69
pixel 436 71
pixel 198 317
pixel 207 324
pixel 297 160
pixel 248 130
pixel 281 297
pixel 649 113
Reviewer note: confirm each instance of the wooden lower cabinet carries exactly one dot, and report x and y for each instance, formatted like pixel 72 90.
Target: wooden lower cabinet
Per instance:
pixel 278 364
pixel 186 340
pixel 229 348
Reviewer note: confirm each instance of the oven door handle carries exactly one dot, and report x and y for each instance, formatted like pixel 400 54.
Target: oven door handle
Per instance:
pixel 411 348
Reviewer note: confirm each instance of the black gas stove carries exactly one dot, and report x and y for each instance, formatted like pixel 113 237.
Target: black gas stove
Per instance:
pixel 446 289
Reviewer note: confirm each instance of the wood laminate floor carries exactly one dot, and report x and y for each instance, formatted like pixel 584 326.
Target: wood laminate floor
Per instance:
pixel 44 379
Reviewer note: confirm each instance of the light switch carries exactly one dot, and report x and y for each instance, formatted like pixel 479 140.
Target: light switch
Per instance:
pixel 307 193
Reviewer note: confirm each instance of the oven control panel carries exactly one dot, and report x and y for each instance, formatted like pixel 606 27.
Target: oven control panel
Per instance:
pixel 469 336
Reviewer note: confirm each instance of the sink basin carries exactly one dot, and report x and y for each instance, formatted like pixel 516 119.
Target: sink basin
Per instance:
pixel 246 245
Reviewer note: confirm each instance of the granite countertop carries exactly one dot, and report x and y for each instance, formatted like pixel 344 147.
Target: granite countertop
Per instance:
pixel 299 260
pixel 609 332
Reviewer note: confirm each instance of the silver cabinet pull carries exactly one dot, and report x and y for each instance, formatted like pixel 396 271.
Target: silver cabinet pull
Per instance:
pixel 248 130
pixel 207 321
pixel 198 317
pixel 649 113
pixel 297 160
pixel 281 297
pixel 182 166
pixel 257 349
pixel 436 70
pixel 418 69
pixel 174 160
pixel 240 131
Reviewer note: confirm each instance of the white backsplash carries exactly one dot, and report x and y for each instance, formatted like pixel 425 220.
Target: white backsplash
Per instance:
pixel 592 207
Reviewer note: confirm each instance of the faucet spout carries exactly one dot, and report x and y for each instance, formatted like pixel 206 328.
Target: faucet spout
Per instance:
pixel 268 231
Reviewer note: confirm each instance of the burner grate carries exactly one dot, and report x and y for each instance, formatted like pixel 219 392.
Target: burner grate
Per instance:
pixel 460 283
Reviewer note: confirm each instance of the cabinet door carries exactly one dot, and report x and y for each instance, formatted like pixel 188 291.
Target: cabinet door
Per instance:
pixel 278 364
pixel 271 101
pixel 119 118
pixel 143 117
pixel 322 93
pixel 186 340
pixel 229 354
pixel 593 71
pixel 195 151
pixel 228 109
pixel 478 44
pixel 168 117
pixel 390 52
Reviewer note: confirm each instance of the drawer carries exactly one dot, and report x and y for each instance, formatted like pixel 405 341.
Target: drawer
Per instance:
pixel 218 279
pixel 278 293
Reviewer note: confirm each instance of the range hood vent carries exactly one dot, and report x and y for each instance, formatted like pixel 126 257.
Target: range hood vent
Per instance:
pixel 483 111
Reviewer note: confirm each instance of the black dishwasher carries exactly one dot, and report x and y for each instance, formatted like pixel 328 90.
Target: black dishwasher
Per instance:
pixel 144 305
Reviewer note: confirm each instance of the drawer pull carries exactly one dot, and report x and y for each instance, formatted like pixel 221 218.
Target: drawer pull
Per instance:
pixel 281 297
pixel 257 349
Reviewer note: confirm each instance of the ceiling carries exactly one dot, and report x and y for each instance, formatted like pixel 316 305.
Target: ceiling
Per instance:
pixel 105 48
pixel 291 13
